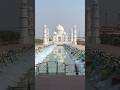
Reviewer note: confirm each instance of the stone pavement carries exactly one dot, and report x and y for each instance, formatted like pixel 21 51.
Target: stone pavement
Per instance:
pixel 60 82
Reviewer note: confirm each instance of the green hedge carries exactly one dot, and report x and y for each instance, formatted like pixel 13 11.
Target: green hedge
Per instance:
pixel 9 37
pixel 110 39
pixel 38 41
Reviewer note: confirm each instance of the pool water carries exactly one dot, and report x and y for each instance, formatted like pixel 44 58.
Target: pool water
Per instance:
pixel 56 61
pixel 41 55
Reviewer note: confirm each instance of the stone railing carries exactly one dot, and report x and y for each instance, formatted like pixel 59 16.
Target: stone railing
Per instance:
pixel 56 68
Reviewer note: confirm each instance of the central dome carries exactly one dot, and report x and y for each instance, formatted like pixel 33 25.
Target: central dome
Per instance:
pixel 60 28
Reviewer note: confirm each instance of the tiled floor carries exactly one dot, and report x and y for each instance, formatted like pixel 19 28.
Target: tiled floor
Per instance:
pixel 60 83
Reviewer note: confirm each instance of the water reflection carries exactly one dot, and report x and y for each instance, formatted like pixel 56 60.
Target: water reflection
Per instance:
pixel 59 61
pixel 60 55
pixel 56 62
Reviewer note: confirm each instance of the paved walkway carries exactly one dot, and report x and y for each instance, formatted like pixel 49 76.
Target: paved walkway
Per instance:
pixel 60 83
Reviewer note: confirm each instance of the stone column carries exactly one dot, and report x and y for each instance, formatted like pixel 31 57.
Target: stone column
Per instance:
pixel 30 22
pixel 74 35
pixel 88 31
pixel 95 23
pixel 24 22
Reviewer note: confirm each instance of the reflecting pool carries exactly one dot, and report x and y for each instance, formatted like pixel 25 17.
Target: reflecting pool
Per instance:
pixel 56 61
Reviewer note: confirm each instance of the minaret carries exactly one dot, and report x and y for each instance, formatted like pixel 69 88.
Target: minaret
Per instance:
pixel 74 35
pixel 66 38
pixel 71 35
pixel 24 22
pixel 45 35
pixel 48 35
pixel 95 23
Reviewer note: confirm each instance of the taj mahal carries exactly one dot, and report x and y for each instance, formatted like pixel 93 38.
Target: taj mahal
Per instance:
pixel 59 36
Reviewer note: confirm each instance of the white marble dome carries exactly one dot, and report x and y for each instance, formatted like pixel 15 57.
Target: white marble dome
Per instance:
pixel 60 28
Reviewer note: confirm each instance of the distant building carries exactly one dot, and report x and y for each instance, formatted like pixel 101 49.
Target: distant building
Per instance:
pixel 60 36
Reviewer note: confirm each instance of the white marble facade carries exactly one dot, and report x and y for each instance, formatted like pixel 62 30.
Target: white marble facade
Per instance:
pixel 60 36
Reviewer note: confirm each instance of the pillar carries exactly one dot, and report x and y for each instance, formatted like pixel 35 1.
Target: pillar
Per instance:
pixel 88 31
pixel 30 24
pixel 24 22
pixel 95 39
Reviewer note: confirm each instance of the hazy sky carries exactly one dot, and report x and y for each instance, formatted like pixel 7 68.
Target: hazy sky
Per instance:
pixel 64 12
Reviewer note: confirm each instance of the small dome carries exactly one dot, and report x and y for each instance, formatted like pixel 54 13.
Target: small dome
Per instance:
pixel 55 33
pixel 64 33
pixel 60 28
